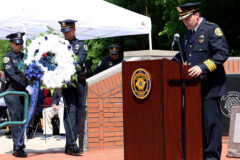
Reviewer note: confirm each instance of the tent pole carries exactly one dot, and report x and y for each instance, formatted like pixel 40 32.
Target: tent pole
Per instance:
pixel 24 30
pixel 150 41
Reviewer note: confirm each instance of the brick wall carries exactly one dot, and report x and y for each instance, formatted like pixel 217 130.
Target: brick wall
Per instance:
pixel 105 109
pixel 232 65
pixel 105 113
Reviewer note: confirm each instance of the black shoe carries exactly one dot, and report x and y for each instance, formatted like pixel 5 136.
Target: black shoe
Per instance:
pixel 9 136
pixel 74 151
pixel 8 132
pixel 30 133
pixel 20 153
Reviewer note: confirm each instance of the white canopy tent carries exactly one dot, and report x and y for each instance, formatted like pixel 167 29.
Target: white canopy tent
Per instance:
pixel 96 18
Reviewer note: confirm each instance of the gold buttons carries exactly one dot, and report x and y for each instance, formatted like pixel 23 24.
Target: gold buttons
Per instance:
pixel 200 49
pixel 190 46
pixel 190 55
pixel 189 64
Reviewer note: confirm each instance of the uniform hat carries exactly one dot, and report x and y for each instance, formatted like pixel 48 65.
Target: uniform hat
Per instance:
pixel 114 49
pixel 187 10
pixel 67 24
pixel 17 38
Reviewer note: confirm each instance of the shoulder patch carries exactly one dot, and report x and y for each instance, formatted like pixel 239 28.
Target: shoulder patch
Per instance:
pixel 7 67
pixel 85 47
pixel 5 59
pixel 99 63
pixel 218 32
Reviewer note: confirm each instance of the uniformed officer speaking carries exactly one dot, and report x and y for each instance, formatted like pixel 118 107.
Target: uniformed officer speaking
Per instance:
pixel 74 97
pixel 110 60
pixel 16 82
pixel 205 50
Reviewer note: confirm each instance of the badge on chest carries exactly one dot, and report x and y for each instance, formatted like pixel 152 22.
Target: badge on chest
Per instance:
pixel 201 38
pixel 77 47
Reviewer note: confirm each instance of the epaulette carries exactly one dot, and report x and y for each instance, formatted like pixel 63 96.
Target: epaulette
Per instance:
pixel 210 23
pixel 81 42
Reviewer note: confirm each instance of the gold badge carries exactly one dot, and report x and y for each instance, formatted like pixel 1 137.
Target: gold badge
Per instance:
pixel 63 24
pixel 201 40
pixel 19 35
pixel 185 42
pixel 76 47
pixel 110 64
pixel 85 47
pixel 179 9
pixel 201 36
pixel 5 60
pixel 218 32
pixel 141 83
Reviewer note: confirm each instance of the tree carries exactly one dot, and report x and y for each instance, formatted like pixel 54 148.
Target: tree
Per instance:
pixel 165 24
pixel 4 48
pixel 218 11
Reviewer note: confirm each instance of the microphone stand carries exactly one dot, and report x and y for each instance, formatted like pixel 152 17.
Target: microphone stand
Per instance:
pixel 183 101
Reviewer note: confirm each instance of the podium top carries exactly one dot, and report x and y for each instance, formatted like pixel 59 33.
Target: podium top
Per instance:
pixel 150 54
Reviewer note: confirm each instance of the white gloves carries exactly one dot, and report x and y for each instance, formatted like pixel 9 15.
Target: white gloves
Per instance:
pixel 30 89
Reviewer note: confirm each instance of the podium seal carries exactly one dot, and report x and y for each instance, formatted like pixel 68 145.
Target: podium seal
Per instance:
pixel 141 83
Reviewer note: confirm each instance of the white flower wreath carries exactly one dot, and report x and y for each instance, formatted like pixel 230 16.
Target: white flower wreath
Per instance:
pixel 62 57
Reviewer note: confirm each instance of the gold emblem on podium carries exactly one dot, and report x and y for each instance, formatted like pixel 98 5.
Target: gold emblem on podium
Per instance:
pixel 141 83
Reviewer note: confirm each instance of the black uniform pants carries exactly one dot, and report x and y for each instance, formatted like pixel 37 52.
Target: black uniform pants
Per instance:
pixel 212 129
pixel 15 106
pixel 74 98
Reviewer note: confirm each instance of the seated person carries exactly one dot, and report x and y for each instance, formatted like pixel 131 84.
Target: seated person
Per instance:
pixel 3 82
pixel 4 114
pixel 110 60
pixel 3 109
pixel 56 108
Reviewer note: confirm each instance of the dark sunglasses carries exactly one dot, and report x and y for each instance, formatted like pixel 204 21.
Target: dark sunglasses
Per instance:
pixel 18 44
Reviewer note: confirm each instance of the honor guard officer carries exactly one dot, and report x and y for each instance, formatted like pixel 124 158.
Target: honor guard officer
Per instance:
pixel 74 97
pixel 110 60
pixel 16 82
pixel 205 50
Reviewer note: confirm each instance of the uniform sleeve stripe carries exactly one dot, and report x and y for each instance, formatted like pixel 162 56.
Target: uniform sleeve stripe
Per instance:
pixel 210 64
pixel 207 64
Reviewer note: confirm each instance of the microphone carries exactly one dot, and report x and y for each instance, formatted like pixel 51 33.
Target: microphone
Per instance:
pixel 176 37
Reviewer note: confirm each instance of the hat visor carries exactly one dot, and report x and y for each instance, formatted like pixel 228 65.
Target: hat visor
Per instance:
pixel 185 16
pixel 112 52
pixel 66 29
pixel 17 41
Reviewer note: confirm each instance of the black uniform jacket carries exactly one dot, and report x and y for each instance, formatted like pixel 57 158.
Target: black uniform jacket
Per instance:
pixel 16 78
pixel 106 63
pixel 80 48
pixel 208 49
